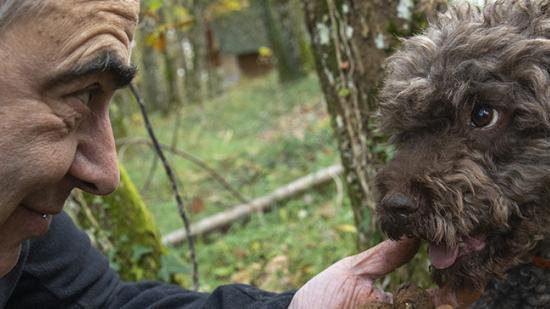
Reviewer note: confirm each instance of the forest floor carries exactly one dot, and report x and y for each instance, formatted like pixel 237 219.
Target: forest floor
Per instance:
pixel 259 136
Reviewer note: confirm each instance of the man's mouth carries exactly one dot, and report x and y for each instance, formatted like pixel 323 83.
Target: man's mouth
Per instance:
pixel 443 256
pixel 45 214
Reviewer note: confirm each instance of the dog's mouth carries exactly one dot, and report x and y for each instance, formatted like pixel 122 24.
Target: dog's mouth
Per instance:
pixel 443 256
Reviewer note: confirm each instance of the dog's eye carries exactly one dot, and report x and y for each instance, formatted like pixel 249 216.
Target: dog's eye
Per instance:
pixel 484 116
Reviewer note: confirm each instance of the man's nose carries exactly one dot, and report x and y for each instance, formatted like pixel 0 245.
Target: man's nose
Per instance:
pixel 398 205
pixel 95 164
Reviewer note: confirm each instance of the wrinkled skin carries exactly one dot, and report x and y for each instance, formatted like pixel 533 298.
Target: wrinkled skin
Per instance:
pixel 56 133
pixel 477 191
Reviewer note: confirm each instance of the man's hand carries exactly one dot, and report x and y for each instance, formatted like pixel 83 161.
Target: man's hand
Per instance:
pixel 349 283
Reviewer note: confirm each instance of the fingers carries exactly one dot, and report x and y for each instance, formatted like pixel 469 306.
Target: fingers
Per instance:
pixel 383 258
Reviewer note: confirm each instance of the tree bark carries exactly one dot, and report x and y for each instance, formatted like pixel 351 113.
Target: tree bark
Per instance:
pixel 351 39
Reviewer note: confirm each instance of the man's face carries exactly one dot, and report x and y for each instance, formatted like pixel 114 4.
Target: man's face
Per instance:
pixel 58 72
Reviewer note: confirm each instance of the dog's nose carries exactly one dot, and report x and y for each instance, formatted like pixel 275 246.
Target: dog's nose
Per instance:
pixel 399 204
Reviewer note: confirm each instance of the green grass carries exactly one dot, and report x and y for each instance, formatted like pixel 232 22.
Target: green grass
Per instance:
pixel 259 136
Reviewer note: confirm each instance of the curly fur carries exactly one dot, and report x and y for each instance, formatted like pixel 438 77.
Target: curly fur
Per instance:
pixel 526 286
pixel 470 181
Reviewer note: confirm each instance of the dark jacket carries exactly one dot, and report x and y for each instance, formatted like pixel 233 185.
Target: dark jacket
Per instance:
pixel 63 270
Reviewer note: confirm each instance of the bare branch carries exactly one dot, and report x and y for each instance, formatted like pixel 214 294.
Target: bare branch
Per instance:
pixel 172 177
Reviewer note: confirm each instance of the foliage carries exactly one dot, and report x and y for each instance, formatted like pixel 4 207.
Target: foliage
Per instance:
pixel 183 18
pixel 222 7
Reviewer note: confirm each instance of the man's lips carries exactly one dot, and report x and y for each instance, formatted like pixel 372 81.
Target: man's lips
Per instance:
pixel 43 212
pixel 31 221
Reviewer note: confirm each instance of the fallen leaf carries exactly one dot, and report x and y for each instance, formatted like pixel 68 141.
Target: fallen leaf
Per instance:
pixel 197 205
pixel 346 228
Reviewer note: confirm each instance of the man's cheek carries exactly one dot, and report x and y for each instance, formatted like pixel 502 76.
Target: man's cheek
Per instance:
pixel 51 161
pixel 51 128
pixel 36 161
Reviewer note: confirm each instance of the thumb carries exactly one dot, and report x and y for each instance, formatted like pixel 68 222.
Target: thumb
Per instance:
pixel 383 258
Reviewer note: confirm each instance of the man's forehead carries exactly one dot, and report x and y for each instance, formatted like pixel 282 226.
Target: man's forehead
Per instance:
pixel 65 36
pixel 76 26
pixel 128 9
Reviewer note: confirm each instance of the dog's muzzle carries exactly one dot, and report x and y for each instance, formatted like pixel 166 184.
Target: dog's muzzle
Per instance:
pixel 396 211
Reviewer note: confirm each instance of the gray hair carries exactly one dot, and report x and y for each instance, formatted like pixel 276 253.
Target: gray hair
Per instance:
pixel 10 10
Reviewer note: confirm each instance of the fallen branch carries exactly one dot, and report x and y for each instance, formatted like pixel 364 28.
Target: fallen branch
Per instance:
pixel 191 158
pixel 241 211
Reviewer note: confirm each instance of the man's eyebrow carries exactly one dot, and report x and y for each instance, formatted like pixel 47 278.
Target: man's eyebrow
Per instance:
pixel 122 73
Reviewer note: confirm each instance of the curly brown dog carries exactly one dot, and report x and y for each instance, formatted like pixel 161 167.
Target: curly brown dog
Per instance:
pixel 467 105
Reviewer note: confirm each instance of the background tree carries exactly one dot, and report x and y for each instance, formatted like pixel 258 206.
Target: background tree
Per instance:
pixel 283 32
pixel 196 66
pixel 148 59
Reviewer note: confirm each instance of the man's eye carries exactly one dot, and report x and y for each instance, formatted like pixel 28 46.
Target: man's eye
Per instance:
pixel 86 97
pixel 484 116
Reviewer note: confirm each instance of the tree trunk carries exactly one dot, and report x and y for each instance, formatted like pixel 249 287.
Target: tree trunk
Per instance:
pixel 170 64
pixel 302 36
pixel 282 36
pixel 148 82
pixel 194 85
pixel 351 39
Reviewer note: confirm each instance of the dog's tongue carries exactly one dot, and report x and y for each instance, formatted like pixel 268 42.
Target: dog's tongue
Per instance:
pixel 441 256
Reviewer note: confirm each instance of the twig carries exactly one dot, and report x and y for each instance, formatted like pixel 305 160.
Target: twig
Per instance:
pixel 172 178
pixel 191 158
pixel 150 174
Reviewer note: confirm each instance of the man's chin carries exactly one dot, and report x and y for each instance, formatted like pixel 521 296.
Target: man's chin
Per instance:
pixel 8 259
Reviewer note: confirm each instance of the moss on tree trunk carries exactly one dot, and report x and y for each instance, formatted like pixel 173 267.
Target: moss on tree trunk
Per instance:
pixel 123 229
